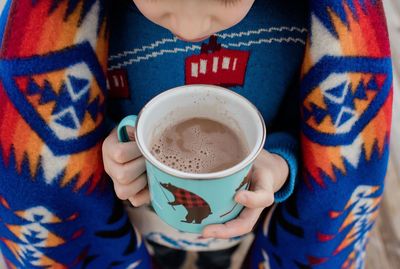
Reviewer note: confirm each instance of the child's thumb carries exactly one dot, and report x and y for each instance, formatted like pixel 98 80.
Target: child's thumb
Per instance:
pixel 131 133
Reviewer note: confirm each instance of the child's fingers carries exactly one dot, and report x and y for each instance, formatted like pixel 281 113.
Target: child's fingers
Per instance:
pixel 119 152
pixel 263 192
pixel 131 133
pixel 125 191
pixel 243 224
pixel 141 198
pixel 125 173
pixel 257 199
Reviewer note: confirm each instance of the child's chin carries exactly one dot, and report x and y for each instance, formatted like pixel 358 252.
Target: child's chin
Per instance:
pixel 192 40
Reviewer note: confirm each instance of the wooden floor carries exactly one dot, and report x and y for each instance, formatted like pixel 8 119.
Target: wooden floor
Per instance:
pixel 384 247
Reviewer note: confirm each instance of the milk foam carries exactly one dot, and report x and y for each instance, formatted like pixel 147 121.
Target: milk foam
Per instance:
pixel 199 145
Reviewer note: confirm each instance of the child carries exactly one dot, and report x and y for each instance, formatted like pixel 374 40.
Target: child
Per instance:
pixel 158 45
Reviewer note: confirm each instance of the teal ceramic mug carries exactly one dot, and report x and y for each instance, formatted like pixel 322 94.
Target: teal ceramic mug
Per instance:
pixel 187 201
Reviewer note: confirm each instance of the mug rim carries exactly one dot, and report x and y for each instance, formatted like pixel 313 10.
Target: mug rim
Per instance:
pixel 200 176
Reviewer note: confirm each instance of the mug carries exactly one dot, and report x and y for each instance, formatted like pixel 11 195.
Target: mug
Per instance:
pixel 188 201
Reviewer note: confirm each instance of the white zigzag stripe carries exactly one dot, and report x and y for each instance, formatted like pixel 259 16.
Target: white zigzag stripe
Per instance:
pixel 195 47
pixel 148 47
pixel 223 36
pixel 263 30
pixel 153 55
pixel 263 40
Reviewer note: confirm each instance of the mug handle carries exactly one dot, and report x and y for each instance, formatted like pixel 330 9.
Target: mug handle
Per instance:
pixel 127 121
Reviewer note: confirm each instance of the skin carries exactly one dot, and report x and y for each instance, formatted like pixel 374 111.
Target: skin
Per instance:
pixel 195 20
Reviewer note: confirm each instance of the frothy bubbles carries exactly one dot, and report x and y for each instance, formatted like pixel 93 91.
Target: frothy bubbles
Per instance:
pixel 199 145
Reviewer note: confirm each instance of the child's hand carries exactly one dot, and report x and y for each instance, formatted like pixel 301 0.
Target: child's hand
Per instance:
pixel 125 165
pixel 269 173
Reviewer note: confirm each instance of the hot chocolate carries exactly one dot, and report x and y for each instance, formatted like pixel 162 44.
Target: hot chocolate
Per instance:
pixel 199 145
